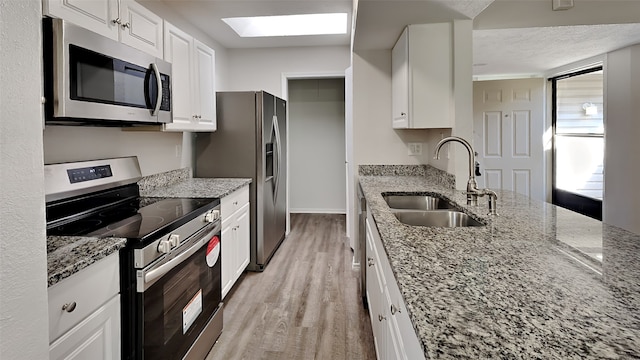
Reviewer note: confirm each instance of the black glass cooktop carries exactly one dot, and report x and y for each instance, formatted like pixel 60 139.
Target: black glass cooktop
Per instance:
pixel 137 219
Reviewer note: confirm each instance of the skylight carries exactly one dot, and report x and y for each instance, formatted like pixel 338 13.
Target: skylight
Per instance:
pixel 289 25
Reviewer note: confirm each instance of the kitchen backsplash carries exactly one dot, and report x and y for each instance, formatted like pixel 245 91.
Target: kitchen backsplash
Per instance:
pixel 434 175
pixel 440 177
pixel 151 182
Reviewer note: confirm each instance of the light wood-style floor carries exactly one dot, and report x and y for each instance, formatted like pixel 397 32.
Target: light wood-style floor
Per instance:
pixel 305 305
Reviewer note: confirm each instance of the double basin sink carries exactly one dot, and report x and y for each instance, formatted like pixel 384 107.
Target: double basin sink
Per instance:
pixel 427 210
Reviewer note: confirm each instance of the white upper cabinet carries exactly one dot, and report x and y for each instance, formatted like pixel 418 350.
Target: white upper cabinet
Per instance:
pixel 95 15
pixel 192 81
pixel 204 85
pixel 177 51
pixel 120 20
pixel 400 81
pixel 422 77
pixel 140 28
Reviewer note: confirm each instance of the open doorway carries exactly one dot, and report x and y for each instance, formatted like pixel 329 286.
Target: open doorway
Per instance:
pixel 578 141
pixel 317 145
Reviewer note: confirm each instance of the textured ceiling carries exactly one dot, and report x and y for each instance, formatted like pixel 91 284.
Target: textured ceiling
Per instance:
pixel 207 15
pixel 536 50
pixel 511 37
pixel 380 22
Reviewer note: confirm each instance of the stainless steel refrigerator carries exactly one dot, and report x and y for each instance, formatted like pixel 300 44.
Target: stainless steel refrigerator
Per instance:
pixel 250 142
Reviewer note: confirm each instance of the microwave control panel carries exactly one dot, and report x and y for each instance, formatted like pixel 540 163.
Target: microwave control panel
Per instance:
pixel 165 105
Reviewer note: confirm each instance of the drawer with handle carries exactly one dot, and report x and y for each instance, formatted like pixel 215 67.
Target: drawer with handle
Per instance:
pixel 74 298
pixel 233 202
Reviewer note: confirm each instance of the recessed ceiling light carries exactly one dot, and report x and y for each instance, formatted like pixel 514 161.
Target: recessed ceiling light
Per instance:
pixel 289 25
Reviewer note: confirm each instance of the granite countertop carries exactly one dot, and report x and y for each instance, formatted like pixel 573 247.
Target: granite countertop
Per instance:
pixel 199 187
pixel 538 281
pixel 66 255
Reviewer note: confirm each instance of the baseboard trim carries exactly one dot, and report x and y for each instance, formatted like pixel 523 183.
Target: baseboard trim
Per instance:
pixel 318 211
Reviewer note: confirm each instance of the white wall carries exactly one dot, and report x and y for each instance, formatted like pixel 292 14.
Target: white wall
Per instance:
pixel 263 69
pixel 621 204
pixel 23 263
pixel 156 151
pixel 463 98
pixel 317 146
pixel 374 141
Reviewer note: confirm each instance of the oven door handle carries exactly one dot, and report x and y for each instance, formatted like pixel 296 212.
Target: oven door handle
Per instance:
pixel 151 275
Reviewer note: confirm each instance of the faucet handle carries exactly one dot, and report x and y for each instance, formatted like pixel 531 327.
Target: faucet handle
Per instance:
pixel 493 201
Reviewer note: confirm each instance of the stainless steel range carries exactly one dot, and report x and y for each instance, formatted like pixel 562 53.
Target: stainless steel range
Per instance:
pixel 170 268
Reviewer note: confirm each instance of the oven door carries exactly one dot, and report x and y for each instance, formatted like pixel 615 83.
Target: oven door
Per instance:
pixel 177 296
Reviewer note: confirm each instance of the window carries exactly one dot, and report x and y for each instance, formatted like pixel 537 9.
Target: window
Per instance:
pixel 578 141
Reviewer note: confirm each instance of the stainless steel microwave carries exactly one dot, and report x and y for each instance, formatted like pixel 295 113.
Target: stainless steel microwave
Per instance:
pixel 91 79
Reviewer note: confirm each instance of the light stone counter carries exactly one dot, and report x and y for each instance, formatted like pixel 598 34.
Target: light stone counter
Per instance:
pixel 199 187
pixel 66 255
pixel 537 282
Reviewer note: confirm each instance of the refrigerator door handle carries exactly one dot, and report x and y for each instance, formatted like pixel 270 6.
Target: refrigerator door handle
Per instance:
pixel 279 154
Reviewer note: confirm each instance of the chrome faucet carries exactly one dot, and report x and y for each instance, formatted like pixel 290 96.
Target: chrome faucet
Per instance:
pixel 472 186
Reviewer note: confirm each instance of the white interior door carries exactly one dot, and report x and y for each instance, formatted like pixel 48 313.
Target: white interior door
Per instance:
pixel 508 135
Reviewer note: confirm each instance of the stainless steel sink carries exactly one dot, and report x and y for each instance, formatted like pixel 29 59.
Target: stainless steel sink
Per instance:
pixel 417 202
pixel 436 218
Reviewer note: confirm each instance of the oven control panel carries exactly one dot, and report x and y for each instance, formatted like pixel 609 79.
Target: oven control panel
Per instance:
pixel 89 173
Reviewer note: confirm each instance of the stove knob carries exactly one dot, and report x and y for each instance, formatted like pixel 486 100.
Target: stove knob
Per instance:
pixel 164 246
pixel 174 240
pixel 212 216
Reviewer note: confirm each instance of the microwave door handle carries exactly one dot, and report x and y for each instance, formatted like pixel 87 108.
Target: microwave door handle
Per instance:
pixel 154 67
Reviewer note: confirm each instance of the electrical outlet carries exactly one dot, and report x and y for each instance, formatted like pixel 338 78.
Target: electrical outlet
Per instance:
pixel 415 149
pixel 178 150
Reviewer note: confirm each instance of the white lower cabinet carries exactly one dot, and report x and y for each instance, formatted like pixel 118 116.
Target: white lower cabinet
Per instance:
pixel 393 332
pixel 96 337
pixel 236 222
pixel 84 313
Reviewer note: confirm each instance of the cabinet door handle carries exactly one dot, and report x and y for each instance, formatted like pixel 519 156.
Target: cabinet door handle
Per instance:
pixel 370 261
pixel 394 309
pixel 117 21
pixel 126 25
pixel 380 317
pixel 69 307
pixel 403 114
